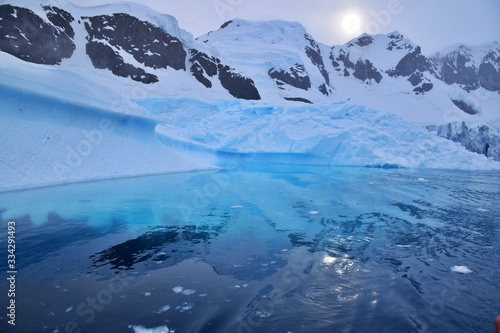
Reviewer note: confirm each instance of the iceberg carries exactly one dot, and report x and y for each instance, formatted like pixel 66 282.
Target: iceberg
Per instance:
pixel 461 269
pixel 48 141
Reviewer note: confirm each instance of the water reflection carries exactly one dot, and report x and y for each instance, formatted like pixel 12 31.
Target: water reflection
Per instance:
pixel 300 250
pixel 167 245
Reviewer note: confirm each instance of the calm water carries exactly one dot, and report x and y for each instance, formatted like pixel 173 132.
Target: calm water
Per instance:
pixel 258 249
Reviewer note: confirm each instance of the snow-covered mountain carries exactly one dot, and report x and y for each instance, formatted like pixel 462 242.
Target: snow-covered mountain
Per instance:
pixel 272 61
pixel 127 63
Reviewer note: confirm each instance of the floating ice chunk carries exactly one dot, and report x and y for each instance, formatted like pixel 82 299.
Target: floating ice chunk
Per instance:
pixel 314 212
pixel 245 285
pixel 147 293
pixel 163 309
pixel 69 309
pixel 142 329
pixel 482 210
pixel 263 314
pixel 422 180
pixel 461 269
pixel 188 291
pixel 202 295
pixel 237 206
pixel 177 289
pixel 401 245
pixel 185 306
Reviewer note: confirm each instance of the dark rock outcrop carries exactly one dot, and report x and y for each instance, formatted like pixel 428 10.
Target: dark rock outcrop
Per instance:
pixel 410 63
pixel 465 107
pixel 29 37
pixel 365 71
pixel 471 69
pixel 364 40
pixel 313 52
pixel 295 76
pixel 420 82
pixel 236 84
pixel 203 67
pixel 104 57
pixel 489 71
pixel 458 67
pixel 298 99
pixel 147 43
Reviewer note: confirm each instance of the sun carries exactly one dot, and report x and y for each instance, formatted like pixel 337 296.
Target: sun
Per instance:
pixel 351 24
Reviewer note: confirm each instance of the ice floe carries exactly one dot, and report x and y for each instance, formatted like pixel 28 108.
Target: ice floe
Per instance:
pixel 142 329
pixel 164 308
pixel 461 269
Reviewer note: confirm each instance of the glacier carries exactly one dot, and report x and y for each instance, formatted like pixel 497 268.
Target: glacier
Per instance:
pixel 47 140
pixel 341 134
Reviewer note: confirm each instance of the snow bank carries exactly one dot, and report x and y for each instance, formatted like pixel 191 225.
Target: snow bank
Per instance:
pixel 47 141
pixel 331 134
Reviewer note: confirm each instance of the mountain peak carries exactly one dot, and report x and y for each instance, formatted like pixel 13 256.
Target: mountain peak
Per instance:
pixel 395 35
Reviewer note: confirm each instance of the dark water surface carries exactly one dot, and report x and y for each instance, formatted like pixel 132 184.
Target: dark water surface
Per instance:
pixel 260 249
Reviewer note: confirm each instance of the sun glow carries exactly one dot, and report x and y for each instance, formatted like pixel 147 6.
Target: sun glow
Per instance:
pixel 351 24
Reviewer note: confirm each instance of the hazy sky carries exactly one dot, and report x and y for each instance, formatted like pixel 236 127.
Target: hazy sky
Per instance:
pixel 433 24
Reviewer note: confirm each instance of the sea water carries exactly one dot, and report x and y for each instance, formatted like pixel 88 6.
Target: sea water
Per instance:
pixel 257 248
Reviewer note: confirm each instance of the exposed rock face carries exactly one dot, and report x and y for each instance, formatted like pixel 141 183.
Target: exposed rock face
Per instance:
pixel 412 66
pixel 364 70
pixel 314 53
pixel 298 99
pixel 354 58
pixel 295 76
pixel 481 139
pixel 104 57
pixel 237 85
pixel 29 37
pixel 364 41
pixel 458 67
pixel 412 62
pixel 147 43
pixel 203 67
pixel 489 71
pixel 465 107
pixel 471 68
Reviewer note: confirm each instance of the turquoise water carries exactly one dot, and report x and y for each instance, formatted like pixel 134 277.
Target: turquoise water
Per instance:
pixel 258 248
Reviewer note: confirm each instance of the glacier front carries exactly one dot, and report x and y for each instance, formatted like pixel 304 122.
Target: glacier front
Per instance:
pixel 340 133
